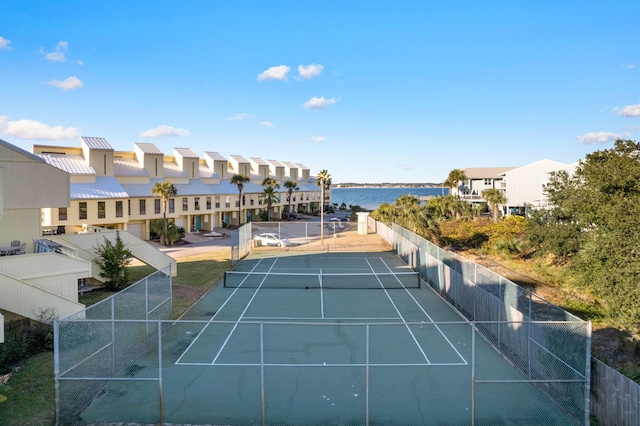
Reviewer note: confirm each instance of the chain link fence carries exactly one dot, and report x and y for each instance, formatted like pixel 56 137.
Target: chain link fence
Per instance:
pixel 548 345
pixel 93 347
pixel 312 373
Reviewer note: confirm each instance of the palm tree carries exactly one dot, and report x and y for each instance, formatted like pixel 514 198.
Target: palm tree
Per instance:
pixel 269 195
pixel 164 190
pixel 291 186
pixel 455 178
pixel 494 197
pixel 322 180
pixel 239 180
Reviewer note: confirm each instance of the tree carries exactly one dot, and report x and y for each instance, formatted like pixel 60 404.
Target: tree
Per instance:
pixel 291 186
pixel 410 214
pixel 323 180
pixel 113 258
pixel 598 210
pixel 239 180
pixel 455 178
pixel 495 198
pixel 269 194
pixel 165 190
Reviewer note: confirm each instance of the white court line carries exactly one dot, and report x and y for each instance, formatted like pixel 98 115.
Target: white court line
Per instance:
pixel 214 315
pixel 399 314
pixel 288 319
pixel 425 312
pixel 448 364
pixel 255 293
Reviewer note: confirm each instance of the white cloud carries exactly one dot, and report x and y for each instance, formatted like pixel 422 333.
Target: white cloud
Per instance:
pixel 241 116
pixel 30 129
pixel 598 137
pixel 628 66
pixel 407 167
pixel 70 83
pixel 59 54
pixel 310 71
pixel 630 111
pixel 4 44
pixel 164 131
pixel 266 124
pixel 319 103
pixel 318 139
pixel 275 73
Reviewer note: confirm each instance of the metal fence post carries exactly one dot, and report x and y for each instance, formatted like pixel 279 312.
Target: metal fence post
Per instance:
pixel 262 402
pixel 366 415
pixel 56 368
pixel 160 393
pixel 473 373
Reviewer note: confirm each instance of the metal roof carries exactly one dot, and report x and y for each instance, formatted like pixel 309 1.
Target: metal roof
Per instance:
pixel 171 169
pixel 206 172
pixel 239 158
pixel 128 167
pixel 302 166
pixel 227 188
pixel 486 172
pixel 259 161
pixel 96 143
pixel 275 163
pixel 103 187
pixel 216 156
pixel 185 153
pixel 72 164
pixel 148 148
pixel 194 187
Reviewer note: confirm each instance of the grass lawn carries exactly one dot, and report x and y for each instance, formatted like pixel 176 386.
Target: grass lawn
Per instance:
pixel 31 399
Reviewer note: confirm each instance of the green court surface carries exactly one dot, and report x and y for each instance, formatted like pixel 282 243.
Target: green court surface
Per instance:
pixel 352 354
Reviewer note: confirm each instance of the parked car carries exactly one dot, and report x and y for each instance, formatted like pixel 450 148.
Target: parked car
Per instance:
pixel 271 239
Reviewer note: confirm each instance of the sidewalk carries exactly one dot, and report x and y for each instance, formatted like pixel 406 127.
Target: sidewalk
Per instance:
pixel 196 244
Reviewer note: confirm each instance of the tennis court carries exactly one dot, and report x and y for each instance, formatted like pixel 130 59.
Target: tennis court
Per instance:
pixel 316 339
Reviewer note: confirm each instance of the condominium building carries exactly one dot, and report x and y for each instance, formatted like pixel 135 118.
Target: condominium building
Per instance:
pixel 113 189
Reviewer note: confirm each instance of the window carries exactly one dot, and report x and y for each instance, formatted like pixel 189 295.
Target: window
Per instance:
pixel 208 203
pixel 487 181
pixel 196 202
pixel 227 201
pixel 62 213
pixel 82 210
pixel 217 201
pixel 185 204
pixel 156 206
pixel 251 200
pixel 129 207
pixel 119 210
pixel 172 205
pixel 102 210
pixel 143 207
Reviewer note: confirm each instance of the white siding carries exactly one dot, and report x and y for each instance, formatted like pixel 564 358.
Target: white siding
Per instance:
pixel 525 184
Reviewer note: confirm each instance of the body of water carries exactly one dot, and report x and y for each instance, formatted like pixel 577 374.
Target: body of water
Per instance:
pixel 371 198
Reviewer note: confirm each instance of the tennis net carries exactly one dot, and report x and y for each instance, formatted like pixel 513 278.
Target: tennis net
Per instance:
pixel 386 280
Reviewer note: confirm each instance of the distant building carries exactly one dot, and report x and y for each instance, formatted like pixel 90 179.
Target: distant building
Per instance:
pixel 112 189
pixel 478 180
pixel 524 186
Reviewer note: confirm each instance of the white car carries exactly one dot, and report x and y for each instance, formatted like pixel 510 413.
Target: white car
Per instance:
pixel 270 239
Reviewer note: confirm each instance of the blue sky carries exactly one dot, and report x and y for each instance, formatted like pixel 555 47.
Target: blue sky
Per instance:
pixel 372 91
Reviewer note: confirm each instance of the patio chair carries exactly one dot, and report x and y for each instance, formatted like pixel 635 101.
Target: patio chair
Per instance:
pixel 15 243
pixel 23 248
